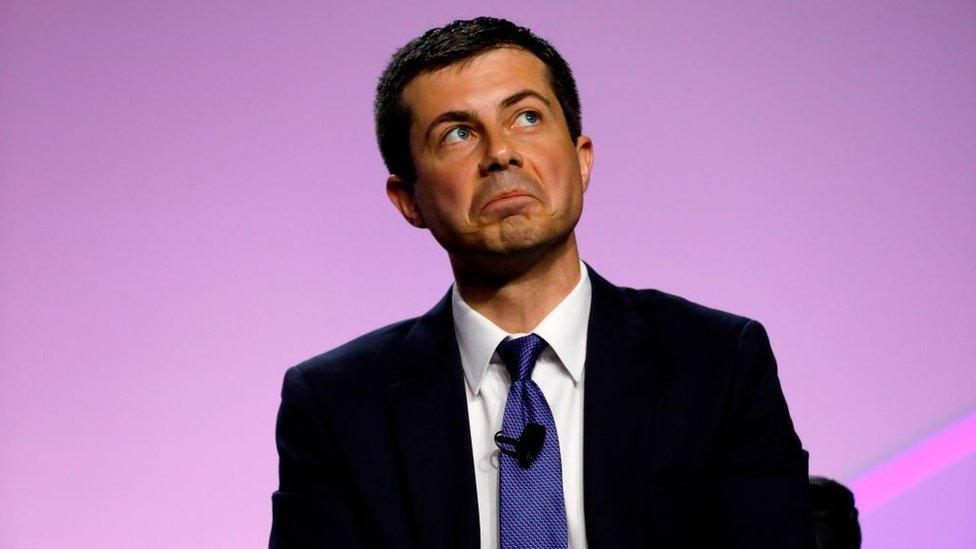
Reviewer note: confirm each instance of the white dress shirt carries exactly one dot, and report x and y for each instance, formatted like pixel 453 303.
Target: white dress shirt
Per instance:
pixel 559 374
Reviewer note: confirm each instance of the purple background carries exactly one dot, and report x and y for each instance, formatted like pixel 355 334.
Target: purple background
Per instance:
pixel 192 201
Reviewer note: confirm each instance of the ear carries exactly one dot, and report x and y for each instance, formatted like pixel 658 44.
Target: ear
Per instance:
pixel 584 152
pixel 401 195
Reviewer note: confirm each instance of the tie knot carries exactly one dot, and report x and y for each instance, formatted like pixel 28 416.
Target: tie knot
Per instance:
pixel 520 354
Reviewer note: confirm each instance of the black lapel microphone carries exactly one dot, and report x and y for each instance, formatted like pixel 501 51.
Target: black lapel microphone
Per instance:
pixel 527 446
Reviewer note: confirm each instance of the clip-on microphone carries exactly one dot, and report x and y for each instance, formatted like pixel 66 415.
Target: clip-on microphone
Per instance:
pixel 527 446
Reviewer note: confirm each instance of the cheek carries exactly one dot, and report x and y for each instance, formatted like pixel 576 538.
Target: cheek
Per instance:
pixel 443 191
pixel 564 183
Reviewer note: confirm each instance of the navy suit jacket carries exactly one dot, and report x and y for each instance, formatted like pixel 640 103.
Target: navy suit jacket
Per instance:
pixel 687 440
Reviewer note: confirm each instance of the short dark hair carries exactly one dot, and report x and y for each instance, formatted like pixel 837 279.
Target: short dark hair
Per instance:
pixel 444 46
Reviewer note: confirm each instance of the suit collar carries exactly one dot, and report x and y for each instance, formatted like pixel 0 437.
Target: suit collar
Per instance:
pixel 625 368
pixel 429 417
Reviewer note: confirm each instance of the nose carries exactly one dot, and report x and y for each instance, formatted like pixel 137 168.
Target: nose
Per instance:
pixel 499 154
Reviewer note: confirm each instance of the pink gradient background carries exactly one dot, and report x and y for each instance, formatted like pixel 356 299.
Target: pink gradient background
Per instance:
pixel 192 201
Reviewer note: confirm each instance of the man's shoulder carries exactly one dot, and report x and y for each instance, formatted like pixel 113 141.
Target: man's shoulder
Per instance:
pixel 364 357
pixel 704 342
pixel 680 319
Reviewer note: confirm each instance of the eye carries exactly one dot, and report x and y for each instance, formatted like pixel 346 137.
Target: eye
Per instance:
pixel 527 118
pixel 457 134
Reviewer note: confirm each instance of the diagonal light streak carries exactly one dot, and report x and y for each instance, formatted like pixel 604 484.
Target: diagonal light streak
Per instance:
pixel 908 468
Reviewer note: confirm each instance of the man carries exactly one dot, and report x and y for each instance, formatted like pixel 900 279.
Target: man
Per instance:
pixel 466 426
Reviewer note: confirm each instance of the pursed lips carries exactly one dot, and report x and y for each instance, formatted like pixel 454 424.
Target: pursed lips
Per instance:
pixel 506 194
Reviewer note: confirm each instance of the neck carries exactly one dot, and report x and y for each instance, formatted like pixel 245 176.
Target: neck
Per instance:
pixel 516 295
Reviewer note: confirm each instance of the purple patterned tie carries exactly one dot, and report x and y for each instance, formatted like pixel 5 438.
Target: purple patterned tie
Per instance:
pixel 532 510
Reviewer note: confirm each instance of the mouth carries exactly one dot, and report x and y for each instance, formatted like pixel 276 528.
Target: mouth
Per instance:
pixel 507 195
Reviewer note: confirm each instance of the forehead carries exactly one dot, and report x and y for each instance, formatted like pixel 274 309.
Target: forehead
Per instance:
pixel 476 83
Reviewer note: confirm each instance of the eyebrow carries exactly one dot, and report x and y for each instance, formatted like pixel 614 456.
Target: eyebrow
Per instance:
pixel 520 95
pixel 448 116
pixel 468 116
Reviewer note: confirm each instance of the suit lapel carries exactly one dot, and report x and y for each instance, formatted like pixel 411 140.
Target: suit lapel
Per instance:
pixel 624 362
pixel 430 421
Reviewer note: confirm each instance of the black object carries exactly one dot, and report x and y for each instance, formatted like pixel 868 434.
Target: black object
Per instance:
pixel 834 515
pixel 526 447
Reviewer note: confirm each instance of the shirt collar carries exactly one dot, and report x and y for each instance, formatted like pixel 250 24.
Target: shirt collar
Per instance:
pixel 564 328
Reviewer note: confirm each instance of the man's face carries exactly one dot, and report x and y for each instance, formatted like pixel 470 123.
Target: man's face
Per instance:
pixel 481 130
